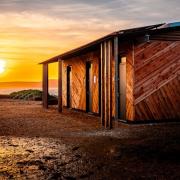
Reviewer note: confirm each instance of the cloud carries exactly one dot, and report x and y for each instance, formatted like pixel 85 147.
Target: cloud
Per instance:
pixel 34 30
pixel 142 11
pixel 82 21
pixel 28 23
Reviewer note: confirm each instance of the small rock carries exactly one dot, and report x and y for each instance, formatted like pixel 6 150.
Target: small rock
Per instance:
pixel 48 158
pixel 42 167
pixel 55 175
pixel 75 148
pixel 30 151
pixel 21 171
pixel 13 145
pixel 118 155
pixel 84 176
pixel 69 178
pixel 78 156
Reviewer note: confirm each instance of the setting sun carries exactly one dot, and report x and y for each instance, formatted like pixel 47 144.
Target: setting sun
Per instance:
pixel 2 66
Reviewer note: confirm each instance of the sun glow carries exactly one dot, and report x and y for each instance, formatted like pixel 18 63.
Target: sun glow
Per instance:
pixel 2 66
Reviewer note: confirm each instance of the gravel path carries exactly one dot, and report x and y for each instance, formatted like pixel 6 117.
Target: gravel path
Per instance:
pixel 42 144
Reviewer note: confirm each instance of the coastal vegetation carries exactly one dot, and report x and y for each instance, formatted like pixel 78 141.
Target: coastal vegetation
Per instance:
pixel 33 95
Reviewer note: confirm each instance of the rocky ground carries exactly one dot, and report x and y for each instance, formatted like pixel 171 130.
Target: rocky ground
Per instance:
pixel 42 144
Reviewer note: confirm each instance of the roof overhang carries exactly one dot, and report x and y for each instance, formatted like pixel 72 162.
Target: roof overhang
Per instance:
pixel 154 31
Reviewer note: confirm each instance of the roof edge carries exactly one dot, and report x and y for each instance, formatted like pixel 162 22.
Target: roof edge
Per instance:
pixel 96 42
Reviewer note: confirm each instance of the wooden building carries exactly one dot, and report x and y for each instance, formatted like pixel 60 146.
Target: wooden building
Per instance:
pixel 130 75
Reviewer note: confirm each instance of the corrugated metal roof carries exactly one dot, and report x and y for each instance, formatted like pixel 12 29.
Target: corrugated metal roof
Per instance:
pixel 122 34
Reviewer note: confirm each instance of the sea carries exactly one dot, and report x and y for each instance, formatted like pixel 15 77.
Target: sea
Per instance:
pixel 52 91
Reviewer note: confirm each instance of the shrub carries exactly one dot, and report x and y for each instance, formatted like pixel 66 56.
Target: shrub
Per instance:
pixel 33 95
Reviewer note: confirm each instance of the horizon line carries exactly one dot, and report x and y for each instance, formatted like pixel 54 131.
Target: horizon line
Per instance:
pixel 23 81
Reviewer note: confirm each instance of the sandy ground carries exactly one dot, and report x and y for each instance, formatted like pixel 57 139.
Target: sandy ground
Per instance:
pixel 42 144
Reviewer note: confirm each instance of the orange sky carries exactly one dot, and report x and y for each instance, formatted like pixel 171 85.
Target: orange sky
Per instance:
pixel 33 31
pixel 27 39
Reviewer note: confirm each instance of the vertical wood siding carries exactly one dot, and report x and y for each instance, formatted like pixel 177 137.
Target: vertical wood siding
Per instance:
pixel 113 87
pixel 130 85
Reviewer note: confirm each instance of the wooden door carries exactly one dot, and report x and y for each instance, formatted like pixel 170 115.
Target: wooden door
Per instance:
pixel 122 88
pixel 69 81
pixel 88 87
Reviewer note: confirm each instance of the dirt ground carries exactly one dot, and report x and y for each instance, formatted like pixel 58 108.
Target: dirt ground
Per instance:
pixel 42 144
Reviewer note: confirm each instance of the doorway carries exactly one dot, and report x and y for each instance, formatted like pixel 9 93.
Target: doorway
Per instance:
pixel 69 81
pixel 122 88
pixel 88 87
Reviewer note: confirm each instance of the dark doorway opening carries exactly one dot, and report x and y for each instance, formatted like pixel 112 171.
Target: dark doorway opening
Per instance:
pixel 88 87
pixel 99 90
pixel 69 81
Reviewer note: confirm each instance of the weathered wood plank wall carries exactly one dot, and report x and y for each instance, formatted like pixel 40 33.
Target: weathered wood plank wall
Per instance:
pixel 152 74
pixel 106 79
pixel 78 64
pixel 162 104
pixel 130 82
pixel 157 87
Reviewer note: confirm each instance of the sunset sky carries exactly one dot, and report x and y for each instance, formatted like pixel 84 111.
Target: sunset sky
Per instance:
pixel 32 31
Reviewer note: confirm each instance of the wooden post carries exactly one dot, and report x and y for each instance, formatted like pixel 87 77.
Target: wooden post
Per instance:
pixel 59 85
pixel 116 78
pixel 110 58
pixel 106 84
pixel 45 86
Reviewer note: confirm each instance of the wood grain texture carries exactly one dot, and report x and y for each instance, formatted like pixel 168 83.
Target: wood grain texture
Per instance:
pixel 106 82
pixel 78 65
pixel 110 58
pixel 162 104
pixel 167 36
pixel 157 67
pixel 130 84
pixel 115 71
pixel 113 87
pixel 152 79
